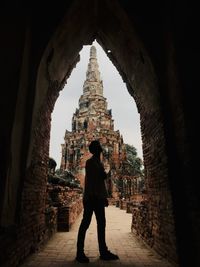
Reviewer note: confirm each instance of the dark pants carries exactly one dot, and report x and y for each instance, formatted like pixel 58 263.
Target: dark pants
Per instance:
pixel 99 210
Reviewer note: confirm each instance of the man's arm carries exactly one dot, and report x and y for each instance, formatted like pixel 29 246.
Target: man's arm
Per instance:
pixel 103 172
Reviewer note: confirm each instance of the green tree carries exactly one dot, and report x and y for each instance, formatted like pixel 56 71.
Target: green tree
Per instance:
pixel 133 164
pixel 52 165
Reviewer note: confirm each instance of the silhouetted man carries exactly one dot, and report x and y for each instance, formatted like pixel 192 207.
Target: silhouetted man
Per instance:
pixel 94 200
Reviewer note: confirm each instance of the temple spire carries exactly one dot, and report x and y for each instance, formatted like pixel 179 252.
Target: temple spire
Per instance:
pixel 93 84
pixel 93 52
pixel 92 120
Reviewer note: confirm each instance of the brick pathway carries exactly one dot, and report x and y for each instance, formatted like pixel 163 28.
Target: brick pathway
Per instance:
pixel 60 251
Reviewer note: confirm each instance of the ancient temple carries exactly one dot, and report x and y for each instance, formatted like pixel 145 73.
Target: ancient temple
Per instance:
pixel 92 121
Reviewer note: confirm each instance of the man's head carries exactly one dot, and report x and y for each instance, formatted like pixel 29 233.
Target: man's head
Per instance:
pixel 95 147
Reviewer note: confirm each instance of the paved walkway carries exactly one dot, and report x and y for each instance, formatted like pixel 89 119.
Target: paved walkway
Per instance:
pixel 60 251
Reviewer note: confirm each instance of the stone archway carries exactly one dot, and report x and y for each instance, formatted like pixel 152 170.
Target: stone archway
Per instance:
pixel 122 45
pixel 84 21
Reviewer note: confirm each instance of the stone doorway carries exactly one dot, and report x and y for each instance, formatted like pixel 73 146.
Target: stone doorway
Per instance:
pixel 128 54
pixel 127 51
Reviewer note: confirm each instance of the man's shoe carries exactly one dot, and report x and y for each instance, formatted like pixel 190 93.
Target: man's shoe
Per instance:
pixel 82 258
pixel 108 256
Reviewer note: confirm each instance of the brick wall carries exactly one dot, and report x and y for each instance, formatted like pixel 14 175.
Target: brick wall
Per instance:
pixel 154 220
pixel 67 215
pixel 68 202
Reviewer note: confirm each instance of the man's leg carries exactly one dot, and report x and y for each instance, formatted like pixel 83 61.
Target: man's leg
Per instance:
pixel 105 254
pixel 87 216
pixel 101 225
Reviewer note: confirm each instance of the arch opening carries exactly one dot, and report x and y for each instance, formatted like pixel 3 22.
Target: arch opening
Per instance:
pixel 68 102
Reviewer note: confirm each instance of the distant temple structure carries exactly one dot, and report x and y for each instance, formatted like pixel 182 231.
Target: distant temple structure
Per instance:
pixel 91 121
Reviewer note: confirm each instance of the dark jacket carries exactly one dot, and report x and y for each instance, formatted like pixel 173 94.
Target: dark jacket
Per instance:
pixel 95 180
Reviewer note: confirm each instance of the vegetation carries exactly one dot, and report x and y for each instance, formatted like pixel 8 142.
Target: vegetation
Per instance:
pixel 134 164
pixel 132 174
pixel 52 165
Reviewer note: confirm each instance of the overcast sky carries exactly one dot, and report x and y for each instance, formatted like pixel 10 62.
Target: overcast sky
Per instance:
pixel 124 110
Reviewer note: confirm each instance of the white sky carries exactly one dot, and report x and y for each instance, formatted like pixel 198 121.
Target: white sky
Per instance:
pixel 124 110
